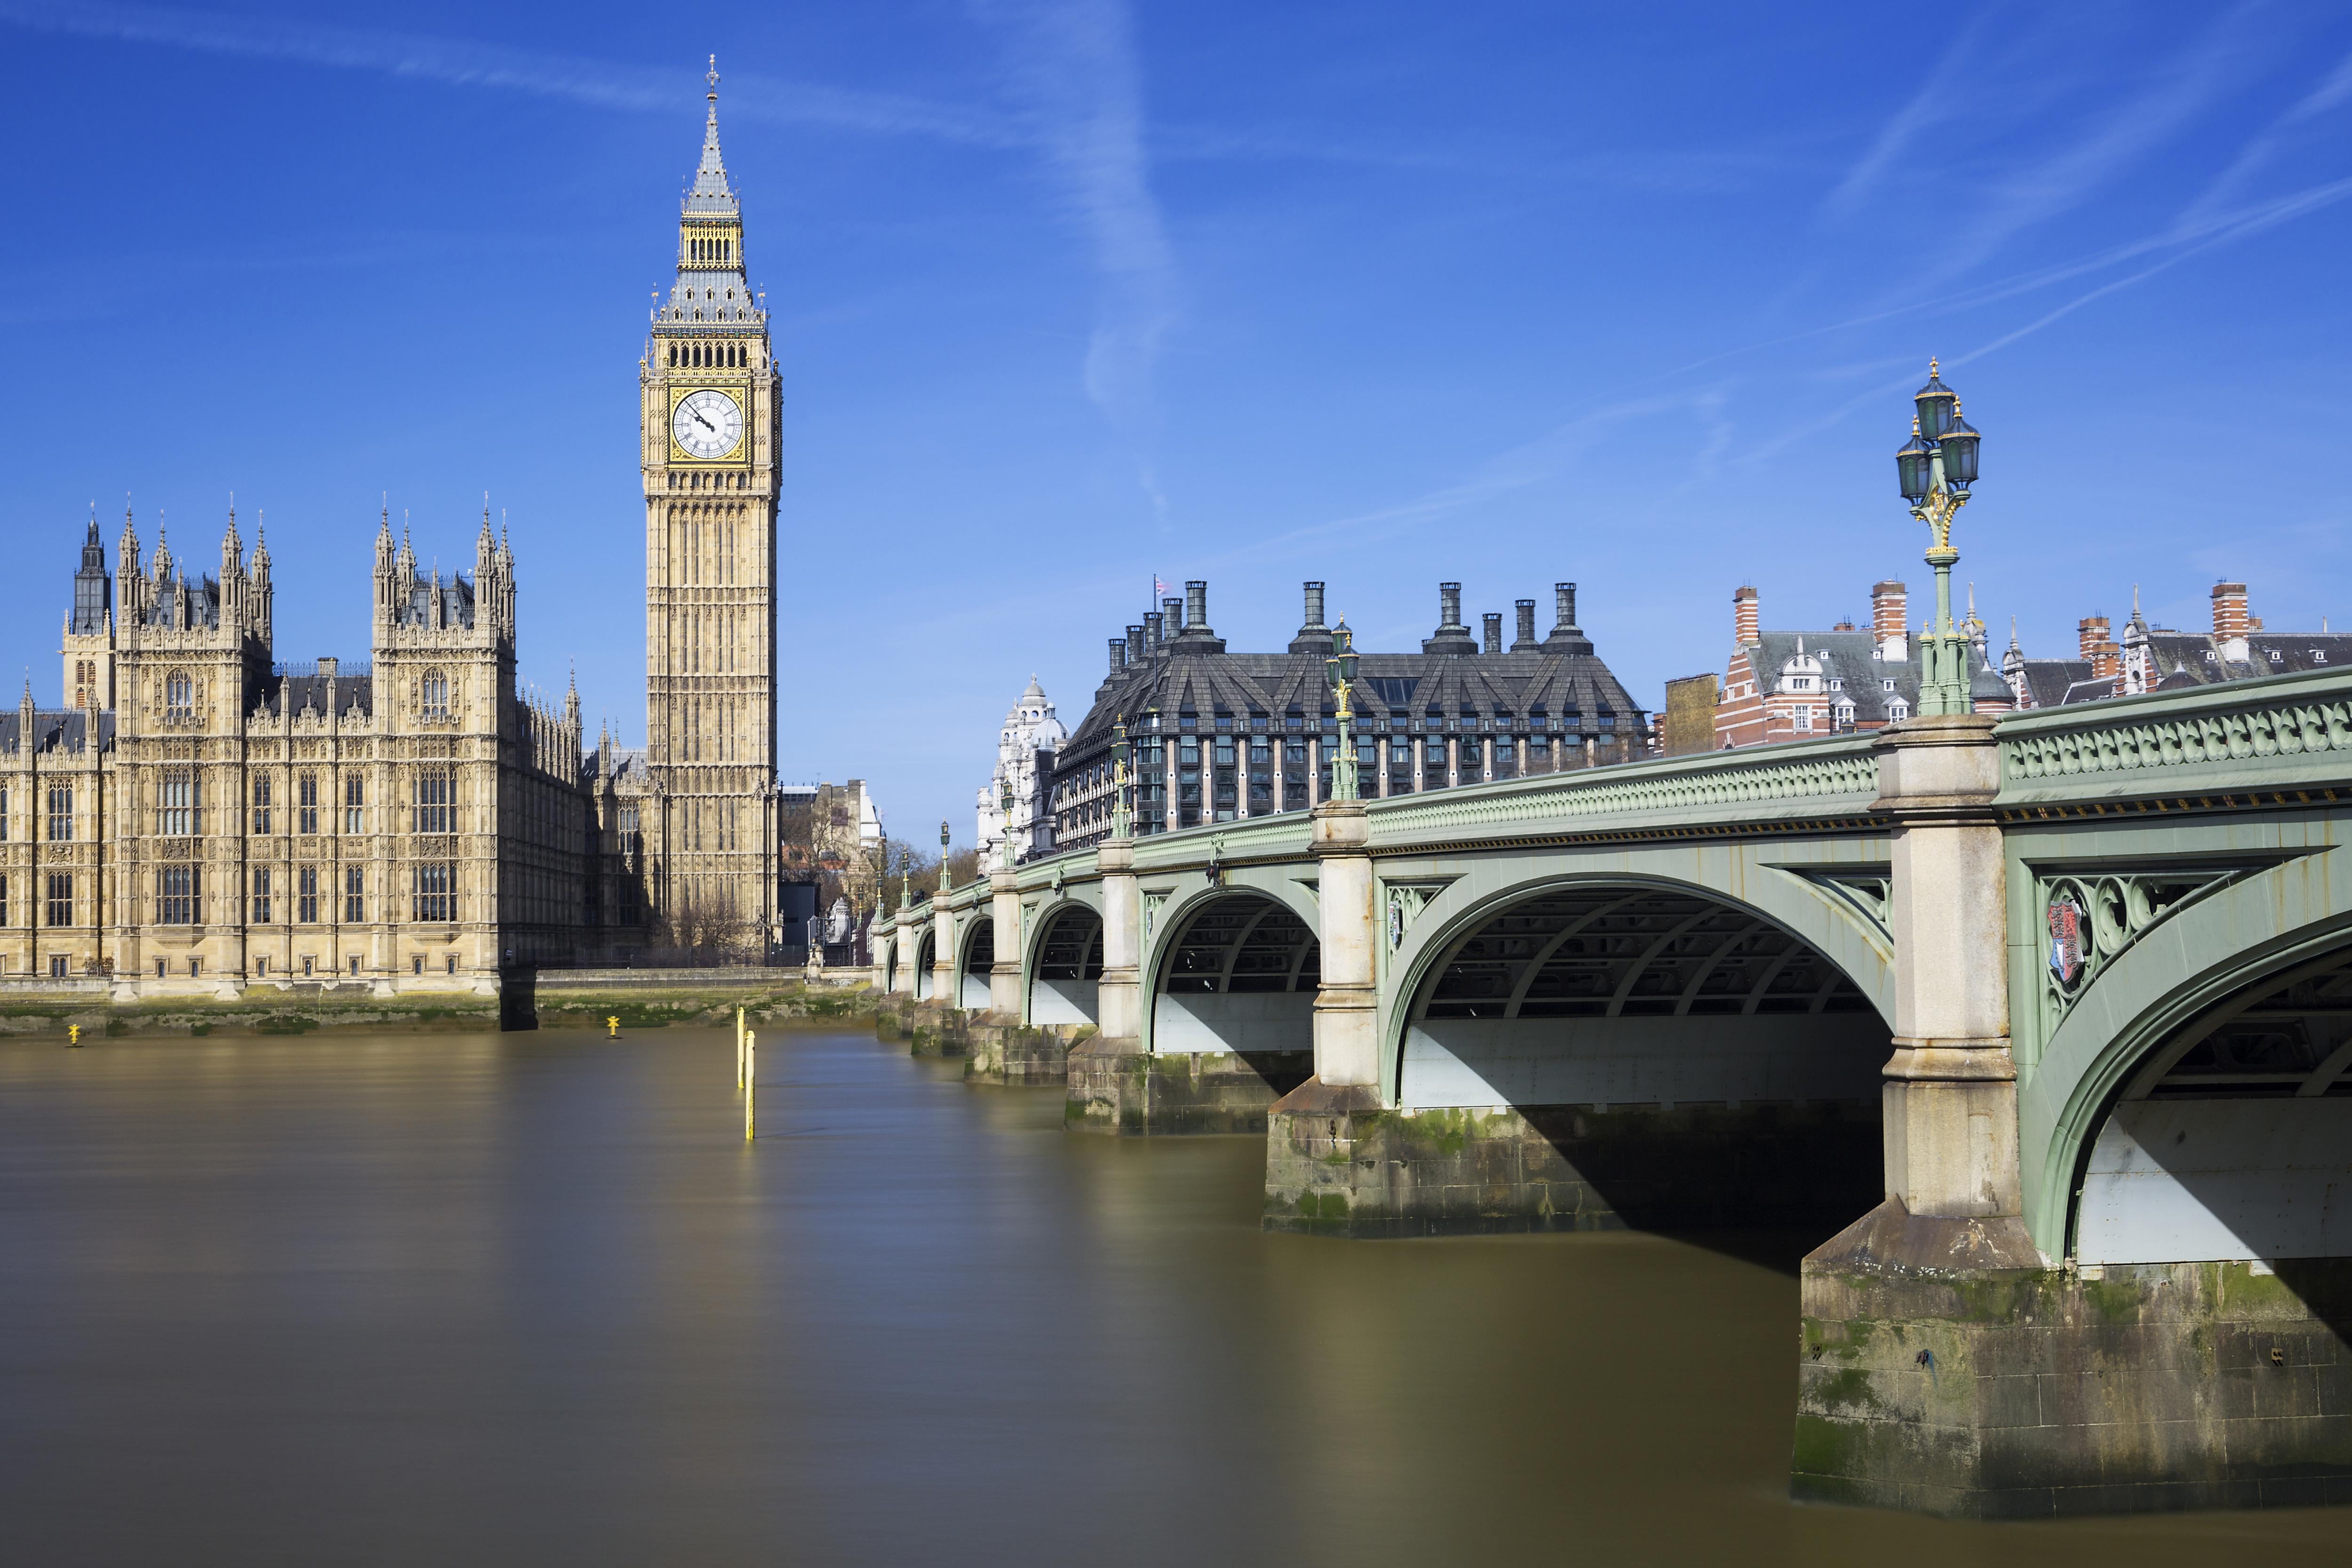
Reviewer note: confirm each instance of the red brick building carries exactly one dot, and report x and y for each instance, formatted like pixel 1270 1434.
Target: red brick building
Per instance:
pixel 1795 685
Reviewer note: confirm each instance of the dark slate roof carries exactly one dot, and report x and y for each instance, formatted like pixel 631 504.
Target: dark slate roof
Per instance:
pixel 2049 680
pixel 204 602
pixel 1851 658
pixel 457 602
pixel 1559 678
pixel 2199 657
pixel 66 729
pixel 2098 689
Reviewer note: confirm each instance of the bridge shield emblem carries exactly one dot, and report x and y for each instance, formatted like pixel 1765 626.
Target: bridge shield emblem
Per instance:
pixel 2066 959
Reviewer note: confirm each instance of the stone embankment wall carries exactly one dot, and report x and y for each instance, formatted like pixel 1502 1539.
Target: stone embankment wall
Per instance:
pixel 641 999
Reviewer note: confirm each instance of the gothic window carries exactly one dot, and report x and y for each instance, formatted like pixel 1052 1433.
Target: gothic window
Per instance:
pixel 305 803
pixel 61 814
pixel 181 810
pixel 261 895
pixel 436 807
pixel 435 894
pixel 306 895
pixel 60 909
pixel 354 901
pixel 4 900
pixel 3 824
pixel 179 697
pixel 260 788
pixel 355 797
pixel 436 696
pixel 176 891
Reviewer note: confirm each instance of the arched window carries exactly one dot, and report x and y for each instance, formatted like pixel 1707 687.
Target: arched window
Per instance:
pixel 179 695
pixel 437 695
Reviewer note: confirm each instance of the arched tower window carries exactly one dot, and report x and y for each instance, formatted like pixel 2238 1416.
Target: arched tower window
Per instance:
pixel 437 695
pixel 179 695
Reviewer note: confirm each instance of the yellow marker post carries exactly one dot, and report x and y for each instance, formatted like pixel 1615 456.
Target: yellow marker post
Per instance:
pixel 750 1081
pixel 73 1036
pixel 613 1026
pixel 738 1047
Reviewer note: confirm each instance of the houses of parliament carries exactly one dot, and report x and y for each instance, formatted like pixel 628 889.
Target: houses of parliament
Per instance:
pixel 197 817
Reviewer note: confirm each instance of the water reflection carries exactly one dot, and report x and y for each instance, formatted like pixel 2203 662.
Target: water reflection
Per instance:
pixel 530 1298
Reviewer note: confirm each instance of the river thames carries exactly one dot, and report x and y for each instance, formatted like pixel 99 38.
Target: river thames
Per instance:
pixel 530 1298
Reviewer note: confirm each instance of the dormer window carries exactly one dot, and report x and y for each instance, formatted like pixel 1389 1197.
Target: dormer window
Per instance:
pixel 2275 656
pixel 1837 683
pixel 1886 685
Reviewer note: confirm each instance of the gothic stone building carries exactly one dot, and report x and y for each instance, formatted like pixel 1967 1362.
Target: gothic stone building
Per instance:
pixel 1219 736
pixel 200 818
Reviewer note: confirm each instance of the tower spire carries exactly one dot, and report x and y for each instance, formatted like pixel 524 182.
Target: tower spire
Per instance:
pixel 710 192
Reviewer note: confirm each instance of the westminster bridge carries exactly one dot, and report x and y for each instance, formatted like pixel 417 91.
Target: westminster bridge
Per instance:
pixel 2067 995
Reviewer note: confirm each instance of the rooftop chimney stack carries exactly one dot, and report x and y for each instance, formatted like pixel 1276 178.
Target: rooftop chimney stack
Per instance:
pixel 1313 636
pixel 1117 654
pixel 2231 624
pixel 1563 601
pixel 1494 630
pixel 1171 619
pixel 2098 649
pixel 1135 649
pixel 1526 640
pixel 1452 635
pixel 1747 618
pixel 1196 606
pixel 1890 626
pixel 1155 631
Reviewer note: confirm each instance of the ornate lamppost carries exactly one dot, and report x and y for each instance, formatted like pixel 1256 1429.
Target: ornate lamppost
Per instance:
pixel 1004 808
pixel 1937 467
pixel 944 857
pixel 1122 823
pixel 1340 674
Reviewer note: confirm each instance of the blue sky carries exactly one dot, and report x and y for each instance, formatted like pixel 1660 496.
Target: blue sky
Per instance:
pixel 1069 293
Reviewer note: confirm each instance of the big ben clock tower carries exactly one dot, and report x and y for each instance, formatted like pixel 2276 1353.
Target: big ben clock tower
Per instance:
pixel 708 440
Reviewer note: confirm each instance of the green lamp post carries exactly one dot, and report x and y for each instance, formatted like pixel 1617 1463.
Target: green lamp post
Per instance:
pixel 1935 468
pixel 1340 674
pixel 1122 823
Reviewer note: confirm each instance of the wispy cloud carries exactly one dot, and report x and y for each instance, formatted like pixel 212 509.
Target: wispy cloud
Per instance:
pixel 1930 106
pixel 459 63
pixel 2110 141
pixel 2283 133
pixel 1073 65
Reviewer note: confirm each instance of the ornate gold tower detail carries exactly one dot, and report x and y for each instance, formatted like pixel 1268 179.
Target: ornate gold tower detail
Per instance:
pixel 708 436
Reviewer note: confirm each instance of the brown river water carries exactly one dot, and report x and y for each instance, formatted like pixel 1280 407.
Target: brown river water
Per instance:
pixel 530 1299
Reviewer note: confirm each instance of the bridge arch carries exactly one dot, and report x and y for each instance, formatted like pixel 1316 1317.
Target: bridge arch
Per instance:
pixel 2192 1104
pixel 977 944
pixel 1063 971
pixel 925 956
pixel 1647 1051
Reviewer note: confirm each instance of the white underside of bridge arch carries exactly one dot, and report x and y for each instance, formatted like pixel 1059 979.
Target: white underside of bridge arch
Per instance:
pixel 2205 1180
pixel 1195 1022
pixel 1065 1001
pixel 1803 1058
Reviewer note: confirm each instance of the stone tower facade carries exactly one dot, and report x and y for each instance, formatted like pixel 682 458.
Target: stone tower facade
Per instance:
pixel 707 433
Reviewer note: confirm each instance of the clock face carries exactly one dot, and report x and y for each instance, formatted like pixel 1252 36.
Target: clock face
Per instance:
pixel 707 423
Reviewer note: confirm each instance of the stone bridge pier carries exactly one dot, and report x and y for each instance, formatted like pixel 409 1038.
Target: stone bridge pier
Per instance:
pixel 2038 1027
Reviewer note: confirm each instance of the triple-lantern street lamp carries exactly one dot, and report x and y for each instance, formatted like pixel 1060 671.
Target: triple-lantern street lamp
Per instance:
pixel 1937 467
pixel 1340 674
pixel 1121 821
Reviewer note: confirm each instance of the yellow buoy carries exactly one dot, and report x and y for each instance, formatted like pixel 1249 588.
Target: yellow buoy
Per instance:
pixel 73 1036
pixel 613 1026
